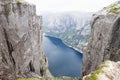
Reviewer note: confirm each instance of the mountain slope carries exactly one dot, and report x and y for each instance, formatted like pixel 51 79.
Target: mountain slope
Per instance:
pixel 72 27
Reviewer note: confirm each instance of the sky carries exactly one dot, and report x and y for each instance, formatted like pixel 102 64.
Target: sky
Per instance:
pixel 70 5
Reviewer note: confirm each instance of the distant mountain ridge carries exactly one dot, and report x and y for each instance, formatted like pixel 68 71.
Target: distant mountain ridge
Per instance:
pixel 72 27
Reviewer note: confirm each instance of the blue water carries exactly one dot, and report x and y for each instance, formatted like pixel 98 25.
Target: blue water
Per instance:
pixel 62 60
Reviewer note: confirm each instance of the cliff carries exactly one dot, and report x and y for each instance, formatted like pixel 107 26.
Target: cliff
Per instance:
pixel 20 41
pixel 104 42
pixel 109 70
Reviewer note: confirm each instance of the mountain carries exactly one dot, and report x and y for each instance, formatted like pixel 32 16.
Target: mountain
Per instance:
pixel 104 42
pixel 72 27
pixel 63 60
pixel 21 54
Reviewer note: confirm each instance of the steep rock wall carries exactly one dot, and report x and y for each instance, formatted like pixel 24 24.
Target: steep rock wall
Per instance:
pixel 104 42
pixel 20 41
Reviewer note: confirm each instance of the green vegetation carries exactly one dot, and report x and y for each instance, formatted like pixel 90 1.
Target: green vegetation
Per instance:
pixel 72 37
pixel 102 65
pixel 55 78
pixel 93 75
pixel 7 9
pixel 97 71
pixel 18 1
pixel 66 78
pixel 113 8
pixel 30 79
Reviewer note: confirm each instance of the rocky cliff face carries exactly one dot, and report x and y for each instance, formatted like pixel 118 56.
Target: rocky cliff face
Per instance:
pixel 20 41
pixel 104 43
pixel 109 70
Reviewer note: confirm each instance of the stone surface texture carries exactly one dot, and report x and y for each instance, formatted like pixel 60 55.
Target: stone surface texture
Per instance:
pixel 21 52
pixel 104 42
pixel 109 70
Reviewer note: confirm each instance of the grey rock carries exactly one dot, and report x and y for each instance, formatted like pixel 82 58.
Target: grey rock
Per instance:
pixel 21 52
pixel 109 70
pixel 104 42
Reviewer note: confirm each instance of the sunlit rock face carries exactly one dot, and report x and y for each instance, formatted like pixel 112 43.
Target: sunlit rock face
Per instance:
pixel 109 70
pixel 104 42
pixel 20 41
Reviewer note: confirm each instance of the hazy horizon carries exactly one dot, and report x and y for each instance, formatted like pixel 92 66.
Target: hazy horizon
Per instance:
pixel 70 5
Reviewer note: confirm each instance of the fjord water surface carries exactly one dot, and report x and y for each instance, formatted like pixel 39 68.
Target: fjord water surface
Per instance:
pixel 62 60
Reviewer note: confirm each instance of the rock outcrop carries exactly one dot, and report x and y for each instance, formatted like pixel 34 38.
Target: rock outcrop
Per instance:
pixel 20 41
pixel 104 42
pixel 109 70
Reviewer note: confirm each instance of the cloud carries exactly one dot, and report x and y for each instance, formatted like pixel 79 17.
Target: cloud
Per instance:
pixel 70 5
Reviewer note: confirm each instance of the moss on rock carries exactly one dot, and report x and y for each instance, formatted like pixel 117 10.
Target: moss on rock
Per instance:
pixel 99 70
pixel 18 1
pixel 30 79
pixel 55 78
pixel 114 8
